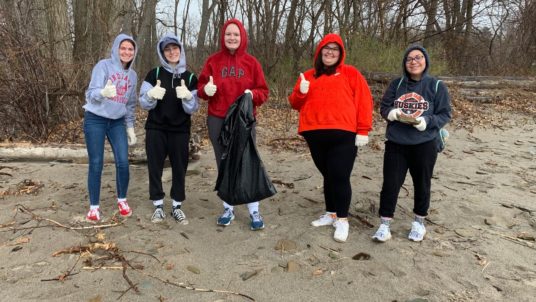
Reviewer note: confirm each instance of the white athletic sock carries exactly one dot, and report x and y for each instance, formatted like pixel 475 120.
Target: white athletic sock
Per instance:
pixel 228 206
pixel 177 203
pixel 158 203
pixel 253 207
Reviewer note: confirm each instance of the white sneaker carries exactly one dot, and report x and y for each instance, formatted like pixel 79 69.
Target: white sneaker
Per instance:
pixel 382 234
pixel 326 219
pixel 417 231
pixel 341 230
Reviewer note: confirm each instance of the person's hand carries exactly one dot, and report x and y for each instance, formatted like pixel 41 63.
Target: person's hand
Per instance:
pixel 109 90
pixel 304 84
pixel 183 92
pixel 156 92
pixel 361 140
pixel 421 126
pixel 249 91
pixel 131 136
pixel 210 88
pixel 393 114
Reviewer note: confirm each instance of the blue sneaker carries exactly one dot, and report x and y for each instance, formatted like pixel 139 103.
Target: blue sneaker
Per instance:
pixel 226 218
pixel 256 221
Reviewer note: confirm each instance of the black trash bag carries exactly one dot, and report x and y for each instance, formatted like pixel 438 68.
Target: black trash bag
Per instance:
pixel 241 178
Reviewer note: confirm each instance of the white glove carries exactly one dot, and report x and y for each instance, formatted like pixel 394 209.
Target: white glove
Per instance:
pixel 421 126
pixel 361 140
pixel 109 90
pixel 304 84
pixel 393 114
pixel 210 88
pixel 249 91
pixel 157 92
pixel 183 92
pixel 131 136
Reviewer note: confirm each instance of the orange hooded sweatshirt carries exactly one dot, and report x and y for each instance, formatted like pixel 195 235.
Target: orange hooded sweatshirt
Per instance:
pixel 339 101
pixel 232 74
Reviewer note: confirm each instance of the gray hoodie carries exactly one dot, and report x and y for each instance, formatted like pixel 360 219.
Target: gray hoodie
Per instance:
pixel 125 80
pixel 146 102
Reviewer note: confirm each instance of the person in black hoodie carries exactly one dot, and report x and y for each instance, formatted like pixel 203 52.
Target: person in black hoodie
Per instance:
pixel 169 93
pixel 416 106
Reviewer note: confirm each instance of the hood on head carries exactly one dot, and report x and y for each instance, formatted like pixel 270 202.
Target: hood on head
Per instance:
pixel 330 38
pixel 406 53
pixel 115 49
pixel 243 36
pixel 164 41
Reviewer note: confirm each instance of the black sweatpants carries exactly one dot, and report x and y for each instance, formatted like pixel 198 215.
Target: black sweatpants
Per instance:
pixel 158 145
pixel 334 152
pixel 398 159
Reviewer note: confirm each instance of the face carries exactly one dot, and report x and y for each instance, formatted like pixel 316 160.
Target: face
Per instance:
pixel 172 53
pixel 232 37
pixel 331 54
pixel 126 51
pixel 415 64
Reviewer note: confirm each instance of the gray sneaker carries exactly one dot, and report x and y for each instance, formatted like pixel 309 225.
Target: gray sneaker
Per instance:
pixel 179 216
pixel 158 215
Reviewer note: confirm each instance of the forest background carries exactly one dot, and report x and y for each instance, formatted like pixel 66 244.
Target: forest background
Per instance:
pixel 48 47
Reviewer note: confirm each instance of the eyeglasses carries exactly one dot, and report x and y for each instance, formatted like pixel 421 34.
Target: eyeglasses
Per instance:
pixel 417 58
pixel 332 49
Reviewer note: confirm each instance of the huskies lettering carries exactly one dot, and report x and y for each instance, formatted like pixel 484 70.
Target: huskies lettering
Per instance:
pixel 231 72
pixel 408 104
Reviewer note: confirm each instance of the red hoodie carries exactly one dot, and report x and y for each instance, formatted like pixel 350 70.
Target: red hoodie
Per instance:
pixel 338 101
pixel 232 74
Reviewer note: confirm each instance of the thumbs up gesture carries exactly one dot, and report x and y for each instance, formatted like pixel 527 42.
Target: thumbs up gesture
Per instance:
pixel 183 92
pixel 210 88
pixel 304 84
pixel 157 92
pixel 109 90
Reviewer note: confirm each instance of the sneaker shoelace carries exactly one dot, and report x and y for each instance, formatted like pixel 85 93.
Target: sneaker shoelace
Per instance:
pixel 227 213
pixel 256 216
pixel 158 213
pixel 178 214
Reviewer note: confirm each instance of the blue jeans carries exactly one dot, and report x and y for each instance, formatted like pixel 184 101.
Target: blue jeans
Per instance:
pixel 96 130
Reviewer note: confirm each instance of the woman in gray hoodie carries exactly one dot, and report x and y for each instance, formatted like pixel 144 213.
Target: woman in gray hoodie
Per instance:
pixel 109 113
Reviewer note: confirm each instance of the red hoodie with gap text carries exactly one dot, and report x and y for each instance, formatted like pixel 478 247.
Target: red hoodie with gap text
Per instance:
pixel 339 101
pixel 232 74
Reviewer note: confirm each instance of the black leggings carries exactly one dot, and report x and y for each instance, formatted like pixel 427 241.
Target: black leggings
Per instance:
pixel 398 159
pixel 334 152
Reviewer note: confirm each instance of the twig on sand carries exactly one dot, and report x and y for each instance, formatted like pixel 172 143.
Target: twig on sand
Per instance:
pixel 362 220
pixel 182 285
pixel 53 222
pixel 509 238
pixel 64 276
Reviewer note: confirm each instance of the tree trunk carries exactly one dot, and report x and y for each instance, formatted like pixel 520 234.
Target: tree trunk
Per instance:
pixel 147 39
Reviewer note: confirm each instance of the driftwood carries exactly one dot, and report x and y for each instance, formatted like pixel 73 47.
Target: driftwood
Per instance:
pixel 471 88
pixel 56 152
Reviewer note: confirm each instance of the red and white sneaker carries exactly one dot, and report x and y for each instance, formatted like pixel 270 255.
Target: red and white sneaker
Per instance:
pixel 93 216
pixel 124 209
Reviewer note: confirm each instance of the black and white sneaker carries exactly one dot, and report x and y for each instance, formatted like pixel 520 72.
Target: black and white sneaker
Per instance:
pixel 158 215
pixel 179 215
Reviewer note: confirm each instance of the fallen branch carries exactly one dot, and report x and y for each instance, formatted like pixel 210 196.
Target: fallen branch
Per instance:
pixel 39 218
pixel 362 220
pixel 518 207
pixel 182 285
pixel 509 238
pixel 64 276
